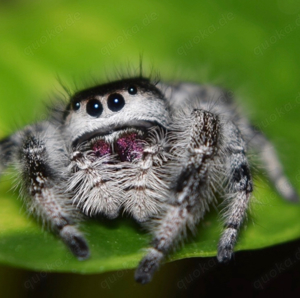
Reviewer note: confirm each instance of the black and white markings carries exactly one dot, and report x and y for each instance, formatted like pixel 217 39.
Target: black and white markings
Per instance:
pixel 159 152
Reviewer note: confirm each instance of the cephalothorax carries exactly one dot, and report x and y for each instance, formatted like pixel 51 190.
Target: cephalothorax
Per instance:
pixel 160 152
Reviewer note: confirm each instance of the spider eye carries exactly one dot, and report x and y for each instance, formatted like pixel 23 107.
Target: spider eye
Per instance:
pixel 76 105
pixel 94 108
pixel 132 90
pixel 115 102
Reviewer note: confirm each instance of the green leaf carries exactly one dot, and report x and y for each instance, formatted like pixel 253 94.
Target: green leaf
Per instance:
pixel 230 44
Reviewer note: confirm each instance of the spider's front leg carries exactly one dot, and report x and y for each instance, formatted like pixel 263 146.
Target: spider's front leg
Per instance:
pixel 240 187
pixel 40 158
pixel 196 146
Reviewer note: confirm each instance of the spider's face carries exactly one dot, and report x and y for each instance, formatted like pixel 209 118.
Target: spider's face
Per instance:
pixel 116 114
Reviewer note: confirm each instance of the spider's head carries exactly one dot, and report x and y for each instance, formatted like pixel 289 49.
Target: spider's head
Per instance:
pixel 120 111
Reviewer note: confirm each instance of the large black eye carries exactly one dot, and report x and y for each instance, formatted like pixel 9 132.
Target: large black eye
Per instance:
pixel 94 108
pixel 132 90
pixel 115 102
pixel 76 105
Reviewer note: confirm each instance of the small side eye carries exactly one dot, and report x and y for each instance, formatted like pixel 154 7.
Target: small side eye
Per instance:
pixel 132 90
pixel 94 108
pixel 76 105
pixel 115 102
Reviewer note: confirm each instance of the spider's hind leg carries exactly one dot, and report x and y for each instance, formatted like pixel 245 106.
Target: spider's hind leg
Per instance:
pixel 272 165
pixel 240 187
pixel 41 183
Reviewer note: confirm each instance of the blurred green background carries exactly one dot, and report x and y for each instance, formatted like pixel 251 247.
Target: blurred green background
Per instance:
pixel 250 48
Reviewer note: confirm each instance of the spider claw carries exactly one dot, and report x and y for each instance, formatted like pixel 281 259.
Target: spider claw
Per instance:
pixel 76 242
pixel 226 245
pixel 148 266
pixel 224 255
pixel 293 197
pixel 142 277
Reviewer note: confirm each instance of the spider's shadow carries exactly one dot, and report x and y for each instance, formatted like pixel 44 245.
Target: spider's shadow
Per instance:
pixel 114 224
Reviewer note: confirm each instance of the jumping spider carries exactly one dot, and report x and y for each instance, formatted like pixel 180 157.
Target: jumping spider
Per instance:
pixel 160 152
